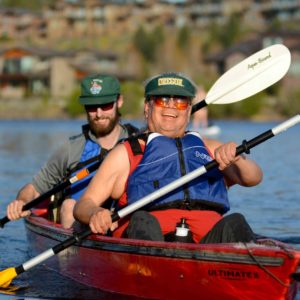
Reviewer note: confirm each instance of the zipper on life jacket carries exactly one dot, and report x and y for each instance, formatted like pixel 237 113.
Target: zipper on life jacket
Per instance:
pixel 186 200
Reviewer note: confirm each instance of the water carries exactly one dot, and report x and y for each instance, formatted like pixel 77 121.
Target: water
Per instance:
pixel 272 208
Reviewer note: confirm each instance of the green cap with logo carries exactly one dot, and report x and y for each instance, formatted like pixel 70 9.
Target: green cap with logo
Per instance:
pixel 173 84
pixel 99 89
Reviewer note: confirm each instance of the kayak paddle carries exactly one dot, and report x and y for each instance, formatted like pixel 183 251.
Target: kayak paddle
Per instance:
pixel 57 188
pixel 9 274
pixel 247 78
pixel 250 76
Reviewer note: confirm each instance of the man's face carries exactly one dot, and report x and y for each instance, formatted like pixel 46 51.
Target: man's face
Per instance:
pixel 168 115
pixel 103 118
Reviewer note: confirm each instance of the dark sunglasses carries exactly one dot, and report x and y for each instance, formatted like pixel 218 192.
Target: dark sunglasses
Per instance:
pixel 180 102
pixel 104 107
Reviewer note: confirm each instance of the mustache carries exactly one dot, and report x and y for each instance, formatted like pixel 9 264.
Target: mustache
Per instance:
pixel 100 118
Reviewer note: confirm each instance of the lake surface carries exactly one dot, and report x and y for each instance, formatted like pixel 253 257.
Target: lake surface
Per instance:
pixel 272 208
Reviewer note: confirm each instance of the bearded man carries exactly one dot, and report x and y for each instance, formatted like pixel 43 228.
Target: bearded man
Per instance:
pixel 101 97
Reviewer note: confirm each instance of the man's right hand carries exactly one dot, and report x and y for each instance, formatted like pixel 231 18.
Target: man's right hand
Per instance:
pixel 25 195
pixel 14 210
pixel 100 221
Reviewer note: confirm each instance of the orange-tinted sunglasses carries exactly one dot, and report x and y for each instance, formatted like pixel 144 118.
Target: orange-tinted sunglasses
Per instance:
pixel 180 102
pixel 104 107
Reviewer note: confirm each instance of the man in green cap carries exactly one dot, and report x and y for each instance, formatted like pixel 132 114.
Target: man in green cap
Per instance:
pixel 101 97
pixel 166 153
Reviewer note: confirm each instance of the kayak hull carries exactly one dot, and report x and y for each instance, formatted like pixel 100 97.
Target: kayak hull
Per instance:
pixel 160 270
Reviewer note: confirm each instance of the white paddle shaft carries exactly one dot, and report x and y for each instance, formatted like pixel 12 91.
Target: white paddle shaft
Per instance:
pixel 286 125
pixel 162 191
pixel 38 259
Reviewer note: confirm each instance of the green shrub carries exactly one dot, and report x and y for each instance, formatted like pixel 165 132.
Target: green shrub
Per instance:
pixel 183 38
pixel 290 103
pixel 133 93
pixel 243 109
pixel 73 107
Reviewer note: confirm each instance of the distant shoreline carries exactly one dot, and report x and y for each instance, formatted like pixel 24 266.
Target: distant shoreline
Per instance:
pixel 27 109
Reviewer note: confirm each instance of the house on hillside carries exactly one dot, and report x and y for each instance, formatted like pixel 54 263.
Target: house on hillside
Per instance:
pixel 21 24
pixel 26 71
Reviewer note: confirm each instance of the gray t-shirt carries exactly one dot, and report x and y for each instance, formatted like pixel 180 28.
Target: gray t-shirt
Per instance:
pixel 66 157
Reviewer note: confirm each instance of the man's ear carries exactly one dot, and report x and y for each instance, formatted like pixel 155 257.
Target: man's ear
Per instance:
pixel 146 109
pixel 120 101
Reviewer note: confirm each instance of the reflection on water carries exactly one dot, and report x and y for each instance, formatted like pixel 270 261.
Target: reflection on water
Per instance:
pixel 272 208
pixel 55 286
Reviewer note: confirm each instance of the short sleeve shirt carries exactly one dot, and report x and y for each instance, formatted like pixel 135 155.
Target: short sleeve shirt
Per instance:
pixel 66 157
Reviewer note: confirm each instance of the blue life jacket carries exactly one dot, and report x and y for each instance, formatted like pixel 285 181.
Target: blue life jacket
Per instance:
pixel 91 154
pixel 167 159
pixel 91 149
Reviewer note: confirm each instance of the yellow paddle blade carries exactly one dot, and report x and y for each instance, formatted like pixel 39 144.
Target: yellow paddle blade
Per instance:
pixel 7 276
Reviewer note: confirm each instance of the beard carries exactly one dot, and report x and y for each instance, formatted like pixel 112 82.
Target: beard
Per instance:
pixel 100 130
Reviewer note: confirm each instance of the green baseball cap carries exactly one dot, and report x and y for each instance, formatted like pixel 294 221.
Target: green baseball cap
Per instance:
pixel 173 84
pixel 99 89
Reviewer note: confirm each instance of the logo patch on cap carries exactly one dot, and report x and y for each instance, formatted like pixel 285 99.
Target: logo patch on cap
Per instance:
pixel 170 81
pixel 96 87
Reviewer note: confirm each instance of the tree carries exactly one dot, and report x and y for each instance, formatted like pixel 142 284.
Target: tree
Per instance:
pixel 147 43
pixel 36 5
pixel 183 37
pixel 224 35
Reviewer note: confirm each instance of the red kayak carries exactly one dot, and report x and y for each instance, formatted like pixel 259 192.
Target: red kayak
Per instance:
pixel 165 270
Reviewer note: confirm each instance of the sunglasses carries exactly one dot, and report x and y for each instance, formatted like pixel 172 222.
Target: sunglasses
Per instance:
pixel 104 107
pixel 181 103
